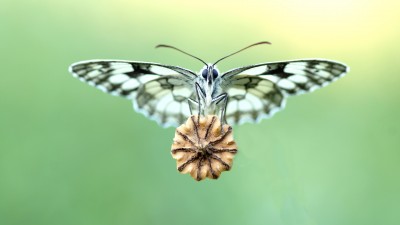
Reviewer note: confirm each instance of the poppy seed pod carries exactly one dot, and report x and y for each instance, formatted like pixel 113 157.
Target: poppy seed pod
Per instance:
pixel 203 148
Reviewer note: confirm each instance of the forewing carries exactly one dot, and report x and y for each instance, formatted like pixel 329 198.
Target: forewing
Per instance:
pixel 128 79
pixel 294 77
pixel 251 98
pixel 123 78
pixel 258 91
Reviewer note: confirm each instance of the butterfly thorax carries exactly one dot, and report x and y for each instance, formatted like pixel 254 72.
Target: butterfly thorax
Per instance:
pixel 209 83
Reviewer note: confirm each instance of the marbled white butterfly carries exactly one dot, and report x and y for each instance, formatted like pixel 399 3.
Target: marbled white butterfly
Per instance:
pixel 167 94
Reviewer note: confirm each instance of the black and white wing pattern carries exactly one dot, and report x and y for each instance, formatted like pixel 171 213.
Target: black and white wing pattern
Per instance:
pixel 158 91
pixel 258 91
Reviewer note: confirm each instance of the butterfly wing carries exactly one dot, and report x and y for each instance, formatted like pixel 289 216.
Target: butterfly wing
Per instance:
pixel 165 100
pixel 156 90
pixel 273 82
pixel 251 98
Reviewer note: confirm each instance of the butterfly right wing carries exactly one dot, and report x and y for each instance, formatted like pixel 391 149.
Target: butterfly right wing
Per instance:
pixel 251 98
pixel 258 91
pixel 296 76
pixel 156 90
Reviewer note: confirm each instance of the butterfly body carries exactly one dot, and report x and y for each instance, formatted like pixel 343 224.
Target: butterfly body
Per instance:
pixel 170 94
pixel 208 86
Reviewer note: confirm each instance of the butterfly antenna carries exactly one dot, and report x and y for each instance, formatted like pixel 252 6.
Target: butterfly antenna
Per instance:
pixel 177 49
pixel 258 43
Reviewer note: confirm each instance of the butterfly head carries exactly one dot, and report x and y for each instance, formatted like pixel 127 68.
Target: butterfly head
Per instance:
pixel 209 73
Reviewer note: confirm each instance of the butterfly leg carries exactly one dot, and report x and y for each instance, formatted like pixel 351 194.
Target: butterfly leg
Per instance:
pixel 222 98
pixel 190 103
pixel 199 92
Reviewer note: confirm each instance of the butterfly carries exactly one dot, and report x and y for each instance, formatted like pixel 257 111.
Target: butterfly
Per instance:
pixel 170 94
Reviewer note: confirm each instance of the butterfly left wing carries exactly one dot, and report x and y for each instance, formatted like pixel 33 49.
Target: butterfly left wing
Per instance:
pixel 283 79
pixel 153 88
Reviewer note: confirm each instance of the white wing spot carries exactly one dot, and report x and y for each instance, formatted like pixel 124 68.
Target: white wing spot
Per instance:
pixel 185 110
pixel 163 103
pixel 298 79
pixel 255 102
pixel 322 66
pixel 323 74
pixel 93 73
pixel 122 69
pixel 256 92
pixel 245 106
pixel 231 107
pixel 270 77
pixel 241 81
pixel 336 72
pixel 161 93
pixel 130 85
pixel 173 81
pixel 96 66
pixel 236 91
pixel 295 70
pixel 256 70
pixel 174 107
pixel 117 65
pixel 182 92
pixel 265 83
pixel 153 85
pixel 147 77
pixel 161 70
pixel 286 84
pixel 299 64
pixel 118 79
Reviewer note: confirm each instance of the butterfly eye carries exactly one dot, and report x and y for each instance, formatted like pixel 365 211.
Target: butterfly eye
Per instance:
pixel 215 74
pixel 204 73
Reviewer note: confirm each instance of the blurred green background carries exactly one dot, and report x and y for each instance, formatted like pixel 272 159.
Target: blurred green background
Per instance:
pixel 70 154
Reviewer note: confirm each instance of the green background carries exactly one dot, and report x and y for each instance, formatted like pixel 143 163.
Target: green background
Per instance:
pixel 70 154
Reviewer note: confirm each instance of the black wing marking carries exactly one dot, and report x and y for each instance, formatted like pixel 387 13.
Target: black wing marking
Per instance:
pixel 294 77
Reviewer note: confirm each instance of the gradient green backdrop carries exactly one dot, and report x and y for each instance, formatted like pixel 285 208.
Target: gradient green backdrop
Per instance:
pixel 70 154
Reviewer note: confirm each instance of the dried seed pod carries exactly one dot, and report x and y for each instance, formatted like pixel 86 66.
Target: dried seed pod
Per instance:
pixel 202 149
